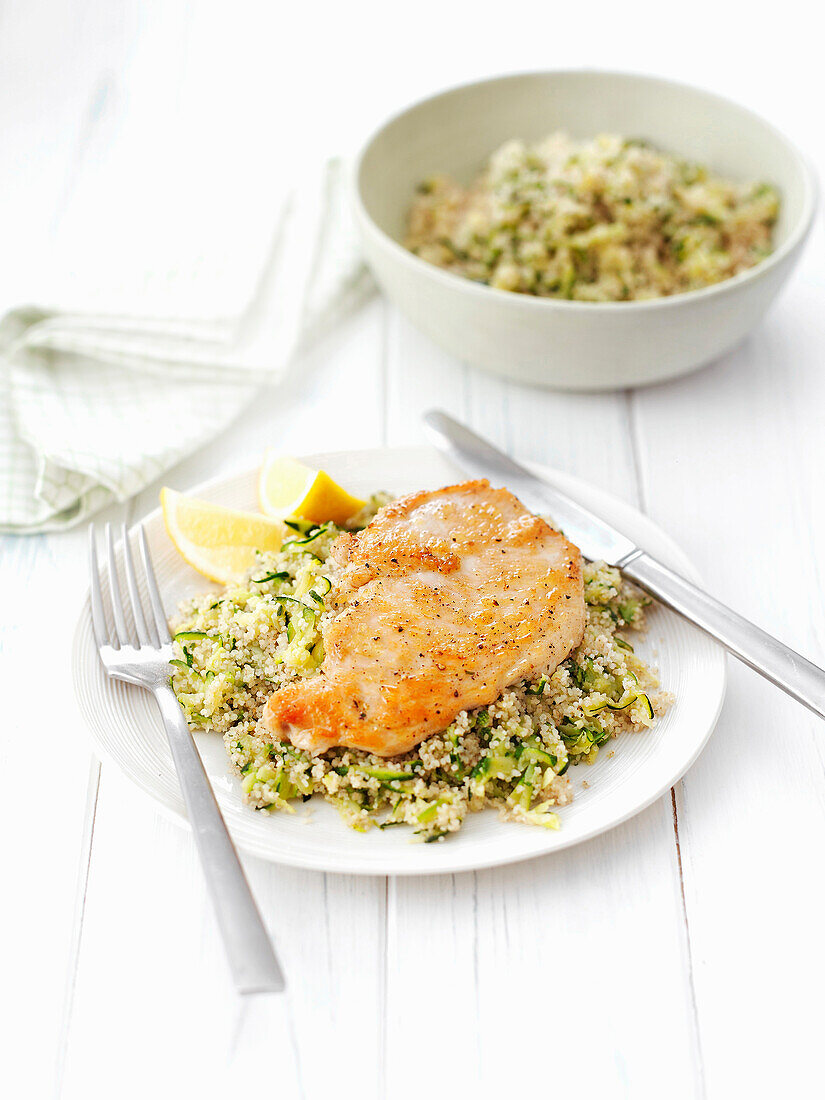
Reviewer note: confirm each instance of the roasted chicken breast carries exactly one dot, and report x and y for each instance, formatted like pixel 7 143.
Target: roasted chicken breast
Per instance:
pixel 444 600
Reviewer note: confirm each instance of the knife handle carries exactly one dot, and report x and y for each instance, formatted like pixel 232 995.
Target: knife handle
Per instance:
pixel 778 663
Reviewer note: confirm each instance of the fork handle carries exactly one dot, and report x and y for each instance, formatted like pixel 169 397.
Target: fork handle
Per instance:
pixel 252 960
pixel 780 664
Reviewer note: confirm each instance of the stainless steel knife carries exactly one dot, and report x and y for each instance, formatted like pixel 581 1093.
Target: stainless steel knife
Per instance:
pixel 597 540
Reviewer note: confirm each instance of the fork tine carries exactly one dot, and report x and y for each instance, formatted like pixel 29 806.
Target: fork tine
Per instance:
pixel 114 585
pixel 152 585
pixel 101 631
pixel 145 637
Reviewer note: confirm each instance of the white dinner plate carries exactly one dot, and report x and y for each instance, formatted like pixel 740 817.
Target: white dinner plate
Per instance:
pixel 127 729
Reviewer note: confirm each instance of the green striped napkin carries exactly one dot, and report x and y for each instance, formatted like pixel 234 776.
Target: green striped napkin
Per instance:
pixel 95 405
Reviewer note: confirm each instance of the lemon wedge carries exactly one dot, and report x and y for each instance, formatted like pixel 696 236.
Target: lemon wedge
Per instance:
pixel 218 542
pixel 288 488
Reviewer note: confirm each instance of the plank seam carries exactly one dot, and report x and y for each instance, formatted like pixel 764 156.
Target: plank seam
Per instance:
pixel 83 873
pixel 635 432
pixel 296 1053
pixel 389 329
pixel 384 381
pixel 689 951
pixel 383 995
pixel 476 966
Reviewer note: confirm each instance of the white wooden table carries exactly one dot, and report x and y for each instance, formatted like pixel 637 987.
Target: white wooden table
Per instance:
pixel 681 955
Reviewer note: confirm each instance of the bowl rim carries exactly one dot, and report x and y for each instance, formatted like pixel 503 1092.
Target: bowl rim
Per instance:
pixel 794 240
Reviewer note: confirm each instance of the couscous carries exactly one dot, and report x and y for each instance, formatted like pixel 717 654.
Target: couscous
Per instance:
pixel 604 220
pixel 234 648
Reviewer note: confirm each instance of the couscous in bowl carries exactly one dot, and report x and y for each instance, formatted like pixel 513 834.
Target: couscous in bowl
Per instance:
pixel 575 344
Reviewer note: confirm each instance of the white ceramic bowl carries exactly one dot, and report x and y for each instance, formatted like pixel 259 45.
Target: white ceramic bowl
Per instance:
pixel 574 345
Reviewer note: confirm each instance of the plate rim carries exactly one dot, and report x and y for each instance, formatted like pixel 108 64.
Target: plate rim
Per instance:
pixel 475 862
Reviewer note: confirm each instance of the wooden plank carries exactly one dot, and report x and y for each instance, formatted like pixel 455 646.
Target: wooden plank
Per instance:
pixel 418 376
pixel 733 460
pixel 45 815
pixel 595 934
pixel 152 954
pixel 48 805
pixel 146 905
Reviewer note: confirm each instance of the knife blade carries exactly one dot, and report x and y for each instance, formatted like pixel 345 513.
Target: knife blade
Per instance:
pixel 597 539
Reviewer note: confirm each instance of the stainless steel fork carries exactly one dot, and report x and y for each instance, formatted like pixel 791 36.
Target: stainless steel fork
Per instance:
pixel 142 658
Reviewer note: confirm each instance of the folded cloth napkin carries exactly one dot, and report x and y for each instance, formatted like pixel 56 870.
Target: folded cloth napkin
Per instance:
pixel 95 402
